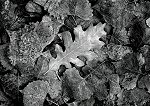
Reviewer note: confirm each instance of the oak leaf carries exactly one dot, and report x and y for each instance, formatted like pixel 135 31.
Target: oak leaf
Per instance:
pixel 84 43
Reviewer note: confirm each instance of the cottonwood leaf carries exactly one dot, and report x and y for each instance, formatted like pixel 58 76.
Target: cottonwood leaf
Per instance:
pixel 55 84
pixel 84 42
pixel 139 96
pixel 35 93
pixel 41 65
pixel 129 82
pixel 114 84
pixel 78 85
pixel 116 52
pixel 144 82
pixel 89 102
pixel 3 99
pixel 4 60
pixel 97 86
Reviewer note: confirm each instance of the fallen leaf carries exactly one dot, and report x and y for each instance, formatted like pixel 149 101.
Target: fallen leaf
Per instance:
pixel 130 80
pixel 84 42
pixel 35 93
pixel 78 85
pixel 114 85
pixel 54 83
pixel 88 102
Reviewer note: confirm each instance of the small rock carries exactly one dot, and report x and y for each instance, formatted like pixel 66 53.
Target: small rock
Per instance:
pixel 33 7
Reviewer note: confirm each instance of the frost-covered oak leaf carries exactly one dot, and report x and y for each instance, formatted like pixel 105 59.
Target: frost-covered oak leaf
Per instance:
pixel 83 44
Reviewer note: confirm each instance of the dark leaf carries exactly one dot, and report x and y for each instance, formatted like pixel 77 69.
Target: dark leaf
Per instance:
pixel 144 83
pixel 41 65
pixel 88 102
pixel 70 22
pixel 4 37
pixel 129 63
pixel 51 48
pixel 140 96
pixel 136 35
pixel 9 83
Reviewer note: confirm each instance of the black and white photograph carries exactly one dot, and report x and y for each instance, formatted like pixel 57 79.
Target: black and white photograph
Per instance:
pixel 74 53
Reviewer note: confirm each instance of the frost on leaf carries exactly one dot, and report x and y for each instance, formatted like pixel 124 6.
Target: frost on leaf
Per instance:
pixel 114 85
pixel 47 29
pixel 129 82
pixel 117 52
pixel 35 93
pixel 54 84
pixel 89 102
pixel 83 9
pixel 144 82
pixel 83 44
pixel 62 8
pixel 4 60
pixel 41 65
pixel 97 86
pixel 78 85
pixel 140 96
